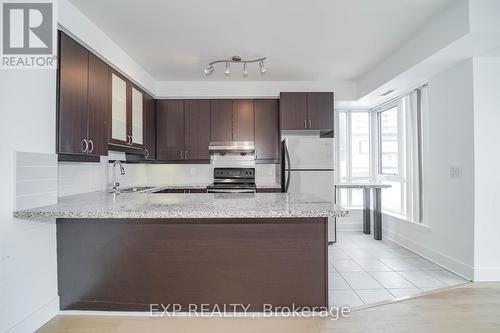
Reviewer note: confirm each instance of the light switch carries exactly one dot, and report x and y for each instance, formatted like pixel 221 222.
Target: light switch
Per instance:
pixel 455 172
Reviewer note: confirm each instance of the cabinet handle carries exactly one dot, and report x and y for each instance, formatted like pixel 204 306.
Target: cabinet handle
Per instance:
pixel 91 147
pixel 146 151
pixel 131 140
pixel 181 154
pixel 305 123
pixel 84 141
pixel 186 154
pixel 310 123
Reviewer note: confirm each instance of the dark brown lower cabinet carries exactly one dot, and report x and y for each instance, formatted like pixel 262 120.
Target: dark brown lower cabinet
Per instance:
pixel 267 137
pixel 183 190
pixel 282 262
pixel 268 190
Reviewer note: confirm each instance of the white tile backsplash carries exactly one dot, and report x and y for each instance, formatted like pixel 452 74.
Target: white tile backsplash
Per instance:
pixel 81 177
pixel 171 174
pixel 267 174
pixel 35 180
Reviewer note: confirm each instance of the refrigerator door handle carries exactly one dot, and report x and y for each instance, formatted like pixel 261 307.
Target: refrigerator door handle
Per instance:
pixel 287 155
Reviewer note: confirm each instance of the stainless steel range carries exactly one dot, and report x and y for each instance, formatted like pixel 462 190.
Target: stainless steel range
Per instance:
pixel 233 180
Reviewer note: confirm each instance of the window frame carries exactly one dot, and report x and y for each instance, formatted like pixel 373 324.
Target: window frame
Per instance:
pixel 398 106
pixel 348 137
pixel 400 177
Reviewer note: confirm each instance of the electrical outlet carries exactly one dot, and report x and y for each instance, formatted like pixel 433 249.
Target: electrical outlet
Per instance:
pixel 192 171
pixel 455 172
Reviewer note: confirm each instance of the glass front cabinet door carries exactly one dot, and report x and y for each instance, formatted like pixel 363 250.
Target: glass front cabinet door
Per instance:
pixel 137 117
pixel 127 104
pixel 118 110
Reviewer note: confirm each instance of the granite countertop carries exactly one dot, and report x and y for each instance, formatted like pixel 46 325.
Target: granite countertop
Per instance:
pixel 200 186
pixel 205 205
pixel 362 185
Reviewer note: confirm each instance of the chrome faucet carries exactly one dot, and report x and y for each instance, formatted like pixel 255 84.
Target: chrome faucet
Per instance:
pixel 122 172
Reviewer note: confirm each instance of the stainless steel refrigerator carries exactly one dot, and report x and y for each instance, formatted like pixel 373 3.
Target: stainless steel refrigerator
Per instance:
pixel 308 166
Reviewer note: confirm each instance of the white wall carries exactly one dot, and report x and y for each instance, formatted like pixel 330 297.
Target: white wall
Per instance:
pixel 487 173
pixel 448 203
pixel 79 26
pixel 345 90
pixel 28 277
pixel 441 31
pixel 28 283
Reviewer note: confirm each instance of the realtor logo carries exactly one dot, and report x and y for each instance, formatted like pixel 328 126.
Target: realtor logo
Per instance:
pixel 28 33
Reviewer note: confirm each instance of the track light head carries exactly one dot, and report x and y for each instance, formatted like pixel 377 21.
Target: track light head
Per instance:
pixel 262 68
pixel 245 69
pixel 209 70
pixel 228 69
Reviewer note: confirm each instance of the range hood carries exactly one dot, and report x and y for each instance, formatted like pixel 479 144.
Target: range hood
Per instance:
pixel 247 147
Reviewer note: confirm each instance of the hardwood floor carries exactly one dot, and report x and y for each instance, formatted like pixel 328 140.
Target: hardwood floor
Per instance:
pixel 469 308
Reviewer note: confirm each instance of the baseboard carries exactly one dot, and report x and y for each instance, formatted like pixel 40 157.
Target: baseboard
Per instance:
pixel 456 266
pixel 37 318
pixel 486 274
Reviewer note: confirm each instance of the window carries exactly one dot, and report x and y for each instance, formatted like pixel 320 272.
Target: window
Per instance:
pixel 399 139
pixel 389 141
pixel 384 144
pixel 354 153
pixel 391 157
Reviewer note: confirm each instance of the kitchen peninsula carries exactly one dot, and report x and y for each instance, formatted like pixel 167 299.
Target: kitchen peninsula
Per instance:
pixel 124 252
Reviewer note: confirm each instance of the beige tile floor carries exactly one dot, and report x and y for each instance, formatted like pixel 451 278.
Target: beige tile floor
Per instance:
pixel 364 271
pixel 470 308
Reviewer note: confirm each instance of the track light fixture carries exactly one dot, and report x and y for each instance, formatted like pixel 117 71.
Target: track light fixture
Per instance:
pixel 236 59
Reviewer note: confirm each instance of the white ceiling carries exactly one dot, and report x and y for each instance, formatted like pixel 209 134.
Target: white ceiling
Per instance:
pixel 313 40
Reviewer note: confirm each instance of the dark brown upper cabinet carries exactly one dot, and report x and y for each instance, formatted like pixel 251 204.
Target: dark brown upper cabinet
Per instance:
pixel 149 127
pixel 196 130
pixel 293 110
pixel 320 110
pixel 243 120
pixel 170 130
pixel 127 113
pixel 300 110
pixel 98 102
pixel 267 138
pixel 183 130
pixel 83 103
pixel 221 120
